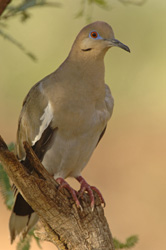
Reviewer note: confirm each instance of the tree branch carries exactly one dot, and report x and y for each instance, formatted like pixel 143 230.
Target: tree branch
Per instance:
pixel 3 5
pixel 66 226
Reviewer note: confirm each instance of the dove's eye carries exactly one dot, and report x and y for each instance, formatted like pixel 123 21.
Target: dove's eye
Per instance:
pixel 94 34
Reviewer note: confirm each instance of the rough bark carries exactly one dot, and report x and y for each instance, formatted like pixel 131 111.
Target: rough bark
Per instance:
pixel 66 226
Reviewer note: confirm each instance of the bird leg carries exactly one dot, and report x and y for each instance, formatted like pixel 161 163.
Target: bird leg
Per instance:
pixel 86 187
pixel 63 184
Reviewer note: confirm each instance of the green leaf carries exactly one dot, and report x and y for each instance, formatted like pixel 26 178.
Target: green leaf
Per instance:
pixel 117 244
pixel 11 146
pixel 130 242
pixel 100 2
pixel 31 233
pixel 5 188
pixel 24 244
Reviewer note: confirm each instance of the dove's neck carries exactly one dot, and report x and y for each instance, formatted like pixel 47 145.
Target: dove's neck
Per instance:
pixel 86 69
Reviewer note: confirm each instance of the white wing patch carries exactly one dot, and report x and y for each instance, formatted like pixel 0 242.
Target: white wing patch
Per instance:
pixel 46 119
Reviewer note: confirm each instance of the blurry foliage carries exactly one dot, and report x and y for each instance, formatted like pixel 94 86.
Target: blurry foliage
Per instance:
pixel 5 187
pixel 25 244
pixel 130 242
pixel 21 9
pixel 87 6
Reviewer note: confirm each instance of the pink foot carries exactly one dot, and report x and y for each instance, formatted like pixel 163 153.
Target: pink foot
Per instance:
pixel 86 187
pixel 64 184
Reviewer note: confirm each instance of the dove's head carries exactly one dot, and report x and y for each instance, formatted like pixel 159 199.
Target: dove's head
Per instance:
pixel 95 39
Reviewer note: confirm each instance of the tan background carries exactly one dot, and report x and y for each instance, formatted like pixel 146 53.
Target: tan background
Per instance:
pixel 129 164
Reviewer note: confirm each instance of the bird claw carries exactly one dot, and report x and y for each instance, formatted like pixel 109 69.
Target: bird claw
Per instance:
pixel 99 195
pixel 86 187
pixel 63 184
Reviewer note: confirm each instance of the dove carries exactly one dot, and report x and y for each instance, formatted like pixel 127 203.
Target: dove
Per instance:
pixel 65 115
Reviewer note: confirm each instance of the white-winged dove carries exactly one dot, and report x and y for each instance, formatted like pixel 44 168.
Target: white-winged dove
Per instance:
pixel 65 115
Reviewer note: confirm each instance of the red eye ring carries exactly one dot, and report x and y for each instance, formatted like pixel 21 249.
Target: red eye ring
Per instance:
pixel 94 34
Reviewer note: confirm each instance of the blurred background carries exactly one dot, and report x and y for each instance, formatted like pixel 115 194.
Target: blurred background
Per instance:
pixel 129 165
